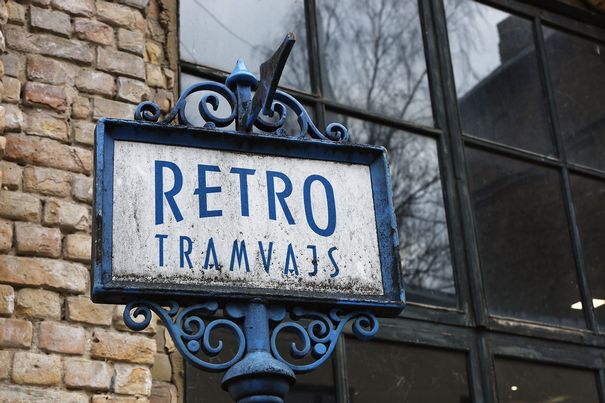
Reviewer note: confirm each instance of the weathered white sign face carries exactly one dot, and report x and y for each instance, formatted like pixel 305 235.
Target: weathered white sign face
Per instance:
pixel 184 215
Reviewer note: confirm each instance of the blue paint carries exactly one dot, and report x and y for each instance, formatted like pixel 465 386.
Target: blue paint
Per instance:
pixel 203 190
pixel 184 252
pixel 266 260
pixel 331 204
pixel 330 255
pixel 243 187
pixel 314 261
pixel 281 196
pixel 290 260
pixel 160 238
pixel 211 252
pixel 239 253
pixel 160 193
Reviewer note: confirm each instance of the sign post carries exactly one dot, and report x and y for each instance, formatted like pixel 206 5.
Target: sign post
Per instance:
pixel 212 228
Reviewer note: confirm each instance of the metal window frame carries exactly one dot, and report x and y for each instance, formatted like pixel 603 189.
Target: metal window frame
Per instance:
pixel 470 327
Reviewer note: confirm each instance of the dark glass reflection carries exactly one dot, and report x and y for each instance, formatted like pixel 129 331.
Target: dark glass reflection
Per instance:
pixel 524 245
pixel 373 57
pixel 525 382
pixel 500 94
pixel 418 201
pixel 205 387
pixel 577 69
pixel 589 201
pixel 217 33
pixel 389 372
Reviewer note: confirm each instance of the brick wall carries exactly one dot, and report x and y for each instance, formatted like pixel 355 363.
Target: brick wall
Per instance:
pixel 64 64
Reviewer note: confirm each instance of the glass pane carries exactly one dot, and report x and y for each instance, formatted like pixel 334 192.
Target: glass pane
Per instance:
pixel 576 68
pixel 389 372
pixel 418 200
pixel 524 245
pixel 373 57
pixel 217 33
pixel 205 387
pixel 589 200
pixel 525 382
pixel 500 94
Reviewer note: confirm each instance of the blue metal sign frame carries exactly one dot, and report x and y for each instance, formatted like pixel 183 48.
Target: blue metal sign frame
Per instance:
pixel 106 290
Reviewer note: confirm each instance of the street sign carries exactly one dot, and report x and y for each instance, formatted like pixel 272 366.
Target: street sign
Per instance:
pixel 187 213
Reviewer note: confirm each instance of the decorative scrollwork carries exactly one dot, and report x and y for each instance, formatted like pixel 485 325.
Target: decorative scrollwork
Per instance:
pixel 188 329
pixel 320 335
pixel 150 112
pixel 334 132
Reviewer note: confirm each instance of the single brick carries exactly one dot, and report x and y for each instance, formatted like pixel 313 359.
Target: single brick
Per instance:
pixel 13 118
pixel 116 14
pixel 82 309
pixel 84 132
pixel 50 20
pixel 94 31
pixel 15 333
pixel 132 380
pixel 131 41
pixel 36 369
pixel 77 7
pixel 87 374
pixel 16 12
pixel 77 247
pixel 37 303
pixel 6 235
pixel 14 64
pixel 161 370
pixel 46 94
pixel 12 174
pixel 5 364
pixel 33 239
pixel 51 273
pixel 132 90
pixel 43 69
pixel 81 187
pixel 19 394
pixel 47 181
pixel 122 347
pixel 112 109
pixel 70 216
pixel 41 124
pixel 80 108
pixel 142 4
pixel 153 53
pixel 61 338
pixel 12 90
pixel 155 77
pixel 163 392
pixel 95 82
pixel 124 63
pixel 49 153
pixel 19 206
pixel 7 300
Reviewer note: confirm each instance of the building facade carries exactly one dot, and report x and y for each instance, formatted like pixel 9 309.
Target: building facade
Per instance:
pixel 493 114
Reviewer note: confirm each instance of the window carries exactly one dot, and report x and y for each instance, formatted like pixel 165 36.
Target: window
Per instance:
pixel 493 115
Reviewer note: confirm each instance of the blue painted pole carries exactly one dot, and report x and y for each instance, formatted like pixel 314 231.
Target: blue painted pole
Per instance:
pixel 258 377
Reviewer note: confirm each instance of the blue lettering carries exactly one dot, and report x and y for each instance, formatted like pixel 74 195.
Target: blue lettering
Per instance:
pixel 239 252
pixel 211 251
pixel 290 257
pixel 203 190
pixel 159 191
pixel 161 238
pixel 267 259
pixel 314 261
pixel 184 253
pixel 336 270
pixel 281 196
pixel 243 187
pixel 329 230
